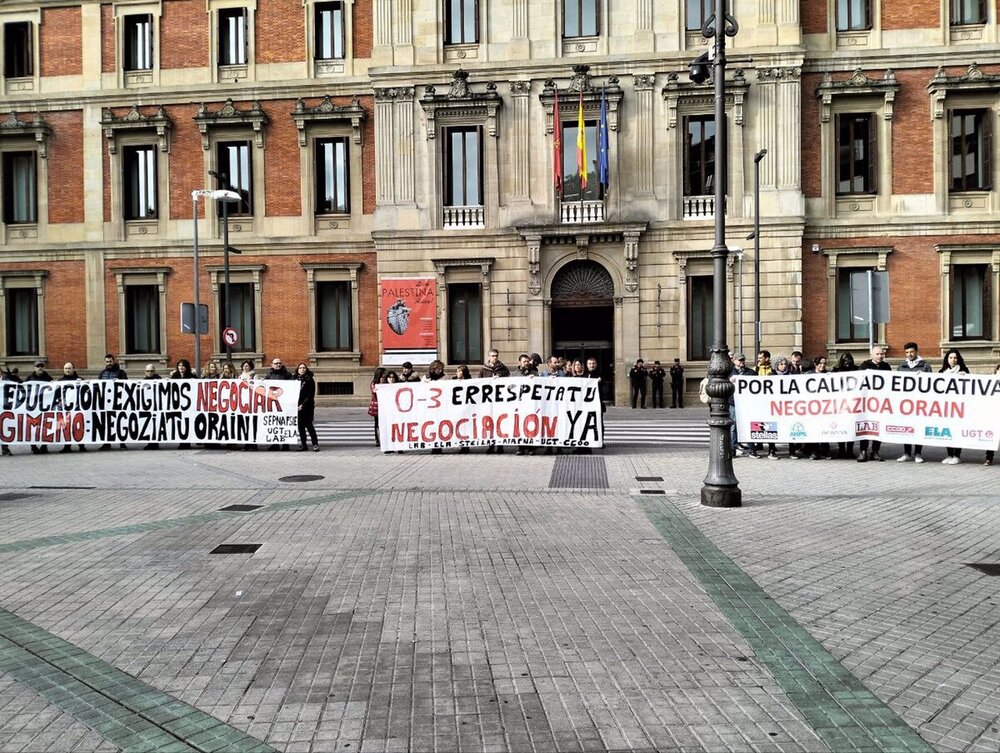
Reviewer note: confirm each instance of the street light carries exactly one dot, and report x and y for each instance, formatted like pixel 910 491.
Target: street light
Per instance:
pixel 226 309
pixel 756 250
pixel 225 197
pixel 721 489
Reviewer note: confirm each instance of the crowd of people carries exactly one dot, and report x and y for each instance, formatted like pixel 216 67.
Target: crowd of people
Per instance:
pixel 183 370
pixel 527 366
pixel 868 450
pixel 640 375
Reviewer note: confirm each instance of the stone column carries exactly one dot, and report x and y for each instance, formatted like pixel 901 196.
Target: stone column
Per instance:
pixel 384 147
pixel 394 155
pixel 643 83
pixel 520 146
pixel 790 112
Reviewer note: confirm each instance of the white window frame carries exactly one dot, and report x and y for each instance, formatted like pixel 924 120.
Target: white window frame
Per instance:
pixel 21 84
pixel 21 136
pixel 232 73
pixel 23 278
pixel 144 78
pixel 334 271
pixel 952 255
pixel 875 258
pixel 333 67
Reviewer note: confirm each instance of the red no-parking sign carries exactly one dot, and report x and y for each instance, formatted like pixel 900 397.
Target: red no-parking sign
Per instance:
pixel 229 336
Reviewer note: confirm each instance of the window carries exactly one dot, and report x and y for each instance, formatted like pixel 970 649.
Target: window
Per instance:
pixel 968 12
pixel 333 316
pixel 233 36
pixel 579 18
pixel 234 167
pixel 20 188
pixel 332 170
pixel 18 58
pixel 138 42
pixel 700 318
pixel 329 31
pixel 854 15
pixel 697 12
pixel 971 150
pixel 463 167
pixel 571 173
pixel 22 321
pixel 465 331
pixel 699 155
pixel 970 302
pixel 139 182
pixel 142 319
pixel 857 166
pixel 241 314
pixel 461 21
pixel 849 327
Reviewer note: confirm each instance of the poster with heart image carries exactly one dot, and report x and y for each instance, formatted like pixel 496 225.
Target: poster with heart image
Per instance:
pixel 408 320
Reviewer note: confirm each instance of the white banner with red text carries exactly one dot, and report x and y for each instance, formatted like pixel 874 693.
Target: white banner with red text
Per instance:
pixel 203 411
pixel 944 410
pixel 529 411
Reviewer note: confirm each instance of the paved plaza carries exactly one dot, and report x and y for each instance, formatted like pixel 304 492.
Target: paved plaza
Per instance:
pixel 496 603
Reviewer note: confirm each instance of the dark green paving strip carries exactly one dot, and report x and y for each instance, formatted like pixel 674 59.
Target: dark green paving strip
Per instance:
pixel 159 525
pixel 846 715
pixel 124 711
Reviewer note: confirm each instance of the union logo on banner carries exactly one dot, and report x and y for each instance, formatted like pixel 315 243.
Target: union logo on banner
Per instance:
pixel 763 430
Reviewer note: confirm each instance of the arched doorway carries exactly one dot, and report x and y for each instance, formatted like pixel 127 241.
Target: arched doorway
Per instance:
pixel 583 318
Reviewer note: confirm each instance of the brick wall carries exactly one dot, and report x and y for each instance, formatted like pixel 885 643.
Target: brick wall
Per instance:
pixel 912 136
pixel 362 31
pixel 187 160
pixel 813 15
pixel 65 164
pixel 184 34
pixel 368 155
pixel 811 158
pixel 911 14
pixel 282 179
pixel 60 44
pixel 108 42
pixel 280 31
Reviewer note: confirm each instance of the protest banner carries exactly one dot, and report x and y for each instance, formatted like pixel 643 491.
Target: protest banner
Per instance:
pixel 409 320
pixel 529 411
pixel 206 411
pixel 943 410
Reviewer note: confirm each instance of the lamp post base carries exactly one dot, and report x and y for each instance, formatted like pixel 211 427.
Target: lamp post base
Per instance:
pixel 721 496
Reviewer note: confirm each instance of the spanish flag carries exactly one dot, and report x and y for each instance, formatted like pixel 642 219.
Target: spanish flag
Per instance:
pixel 581 146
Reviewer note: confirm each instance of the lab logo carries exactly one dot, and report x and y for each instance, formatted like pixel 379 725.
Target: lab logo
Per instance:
pixel 763 430
pixel 937 432
pixel 866 428
pixel 798 431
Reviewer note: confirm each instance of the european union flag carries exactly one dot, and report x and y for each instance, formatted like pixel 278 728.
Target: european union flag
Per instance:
pixel 602 143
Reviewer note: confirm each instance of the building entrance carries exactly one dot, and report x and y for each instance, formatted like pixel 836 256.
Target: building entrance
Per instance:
pixel 583 319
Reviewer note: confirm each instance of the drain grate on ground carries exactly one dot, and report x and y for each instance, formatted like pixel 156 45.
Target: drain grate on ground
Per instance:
pixel 986 568
pixel 651 491
pixel 236 549
pixel 579 472
pixel 302 477
pixel 649 478
pixel 240 508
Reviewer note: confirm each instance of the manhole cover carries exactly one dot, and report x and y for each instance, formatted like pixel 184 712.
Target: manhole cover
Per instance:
pixel 649 478
pixel 240 508
pixel 236 549
pixel 651 491
pixel 986 568
pixel 303 477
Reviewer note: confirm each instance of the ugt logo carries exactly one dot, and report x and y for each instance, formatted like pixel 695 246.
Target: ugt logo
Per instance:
pixel 937 432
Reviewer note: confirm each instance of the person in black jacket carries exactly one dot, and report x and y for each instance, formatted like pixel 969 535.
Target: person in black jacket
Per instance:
pixel 39 375
pixel 9 375
pixel 307 407
pixel 112 370
pixel 279 372
pixel 656 376
pixel 69 375
pixel 877 363
pixel 637 378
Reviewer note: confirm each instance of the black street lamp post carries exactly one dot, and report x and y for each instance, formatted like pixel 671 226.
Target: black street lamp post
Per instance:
pixel 720 489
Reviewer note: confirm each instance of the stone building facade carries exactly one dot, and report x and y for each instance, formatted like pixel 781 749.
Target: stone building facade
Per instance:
pixel 376 141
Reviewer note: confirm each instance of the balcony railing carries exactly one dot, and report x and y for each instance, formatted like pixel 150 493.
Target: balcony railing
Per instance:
pixel 574 212
pixel 462 218
pixel 699 207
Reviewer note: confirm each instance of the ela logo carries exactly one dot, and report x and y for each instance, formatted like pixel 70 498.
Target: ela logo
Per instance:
pixel 937 432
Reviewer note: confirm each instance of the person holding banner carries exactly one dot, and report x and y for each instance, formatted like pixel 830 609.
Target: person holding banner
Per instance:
pixel 912 363
pixel 149 372
pixel 112 370
pixel 435 372
pixel 377 378
pixel 39 375
pixel 764 368
pixel 9 376
pixel 462 372
pixel 182 370
pixel 307 407
pixel 494 368
pixel 877 362
pixel 953 364
pixel 69 375
pixel 991 453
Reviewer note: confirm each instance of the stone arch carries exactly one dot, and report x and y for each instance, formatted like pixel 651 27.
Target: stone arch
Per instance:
pixel 572 270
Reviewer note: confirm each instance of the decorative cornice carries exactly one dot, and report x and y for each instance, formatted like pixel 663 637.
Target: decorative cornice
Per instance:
pixel 702 96
pixel 134 120
pixel 228 115
pixel 973 81
pixel 395 92
pixel 858 85
pixel 580 87
pixel 789 73
pixel 328 112
pixel 461 102
pixel 484 263
pixel 643 81
pixel 520 88
pixel 37 129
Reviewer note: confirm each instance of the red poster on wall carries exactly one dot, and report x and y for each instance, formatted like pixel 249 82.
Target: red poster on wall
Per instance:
pixel 409 320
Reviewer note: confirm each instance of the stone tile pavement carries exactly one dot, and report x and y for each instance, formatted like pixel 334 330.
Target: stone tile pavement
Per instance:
pixel 439 603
